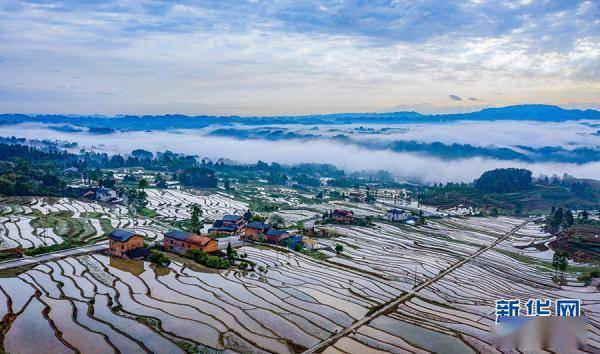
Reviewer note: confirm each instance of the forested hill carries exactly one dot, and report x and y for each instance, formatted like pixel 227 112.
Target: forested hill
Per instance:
pixel 545 113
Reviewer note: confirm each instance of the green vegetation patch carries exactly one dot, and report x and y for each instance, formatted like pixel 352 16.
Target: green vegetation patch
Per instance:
pixel 47 249
pixel 318 255
pixel 149 213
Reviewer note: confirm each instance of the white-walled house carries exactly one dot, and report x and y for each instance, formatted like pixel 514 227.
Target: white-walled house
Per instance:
pixel 397 215
pixel 106 195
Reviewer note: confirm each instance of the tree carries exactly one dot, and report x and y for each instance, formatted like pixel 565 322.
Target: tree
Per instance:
pixel 195 224
pixel 198 177
pixel 560 261
pixel 227 186
pixel 160 181
pixel 159 258
pixel 569 218
pixel 135 197
pixel 248 215
pixel 230 252
pixel 518 208
pixel 558 217
pixel 339 248
pixel 142 184
pixel 370 199
pixel 277 221
pixel 504 180
pixel 584 216
pixel 494 212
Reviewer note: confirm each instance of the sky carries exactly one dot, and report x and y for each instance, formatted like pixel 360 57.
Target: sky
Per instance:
pixel 296 57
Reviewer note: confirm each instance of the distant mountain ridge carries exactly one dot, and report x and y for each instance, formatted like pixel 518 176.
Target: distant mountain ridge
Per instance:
pixel 530 112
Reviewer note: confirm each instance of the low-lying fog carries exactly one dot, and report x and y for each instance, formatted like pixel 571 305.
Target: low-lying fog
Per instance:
pixel 413 167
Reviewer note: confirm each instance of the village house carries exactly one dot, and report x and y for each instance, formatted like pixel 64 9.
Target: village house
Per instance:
pixel 219 228
pixel 357 197
pixel 397 215
pixel 343 216
pixel 228 225
pixel 126 244
pixel 106 195
pixel 253 230
pixel 181 242
pixel 203 243
pixel 276 236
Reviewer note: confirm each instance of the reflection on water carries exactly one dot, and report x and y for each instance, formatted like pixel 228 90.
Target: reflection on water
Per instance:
pixel 160 271
pixel 134 267
pixel 424 338
pixel 19 339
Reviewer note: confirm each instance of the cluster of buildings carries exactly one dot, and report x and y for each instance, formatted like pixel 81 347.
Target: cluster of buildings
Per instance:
pixel 127 244
pixel 102 194
pixel 229 225
pixel 181 242
pixel 342 216
pixel 255 230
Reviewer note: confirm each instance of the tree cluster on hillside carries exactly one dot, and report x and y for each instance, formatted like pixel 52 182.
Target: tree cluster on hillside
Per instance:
pixel 561 218
pixel 198 177
pixel 504 180
pixel 28 171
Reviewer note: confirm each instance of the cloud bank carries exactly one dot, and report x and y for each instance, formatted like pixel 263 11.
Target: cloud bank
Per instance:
pixel 413 167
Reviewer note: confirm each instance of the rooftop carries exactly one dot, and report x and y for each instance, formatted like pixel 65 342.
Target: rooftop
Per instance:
pixel 199 239
pixel 224 228
pixel 274 232
pixel 258 225
pixel 178 235
pixel 120 235
pixel 231 217
pixel 342 212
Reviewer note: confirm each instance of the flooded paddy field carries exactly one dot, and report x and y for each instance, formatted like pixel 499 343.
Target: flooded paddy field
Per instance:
pixel 28 222
pixel 134 306
pixel 457 311
pixel 96 304
pixel 174 204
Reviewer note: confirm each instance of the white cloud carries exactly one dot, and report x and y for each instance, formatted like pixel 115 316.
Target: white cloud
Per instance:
pixel 293 57
pixel 413 167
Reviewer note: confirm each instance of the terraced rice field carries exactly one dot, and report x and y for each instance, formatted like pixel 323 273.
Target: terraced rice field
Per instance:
pixel 457 311
pixel 134 306
pixel 174 204
pixel 96 304
pixel 28 222
pixel 293 216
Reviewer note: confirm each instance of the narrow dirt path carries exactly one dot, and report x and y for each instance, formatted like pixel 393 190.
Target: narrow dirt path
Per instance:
pixel 390 306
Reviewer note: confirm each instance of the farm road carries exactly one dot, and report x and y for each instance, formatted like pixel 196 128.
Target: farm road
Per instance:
pixel 390 306
pixel 20 262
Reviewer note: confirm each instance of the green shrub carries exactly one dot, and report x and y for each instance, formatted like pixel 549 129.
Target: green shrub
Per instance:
pixel 159 258
pixel 46 249
pixel 208 260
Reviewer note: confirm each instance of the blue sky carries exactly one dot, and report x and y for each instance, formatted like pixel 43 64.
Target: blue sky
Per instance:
pixel 295 57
